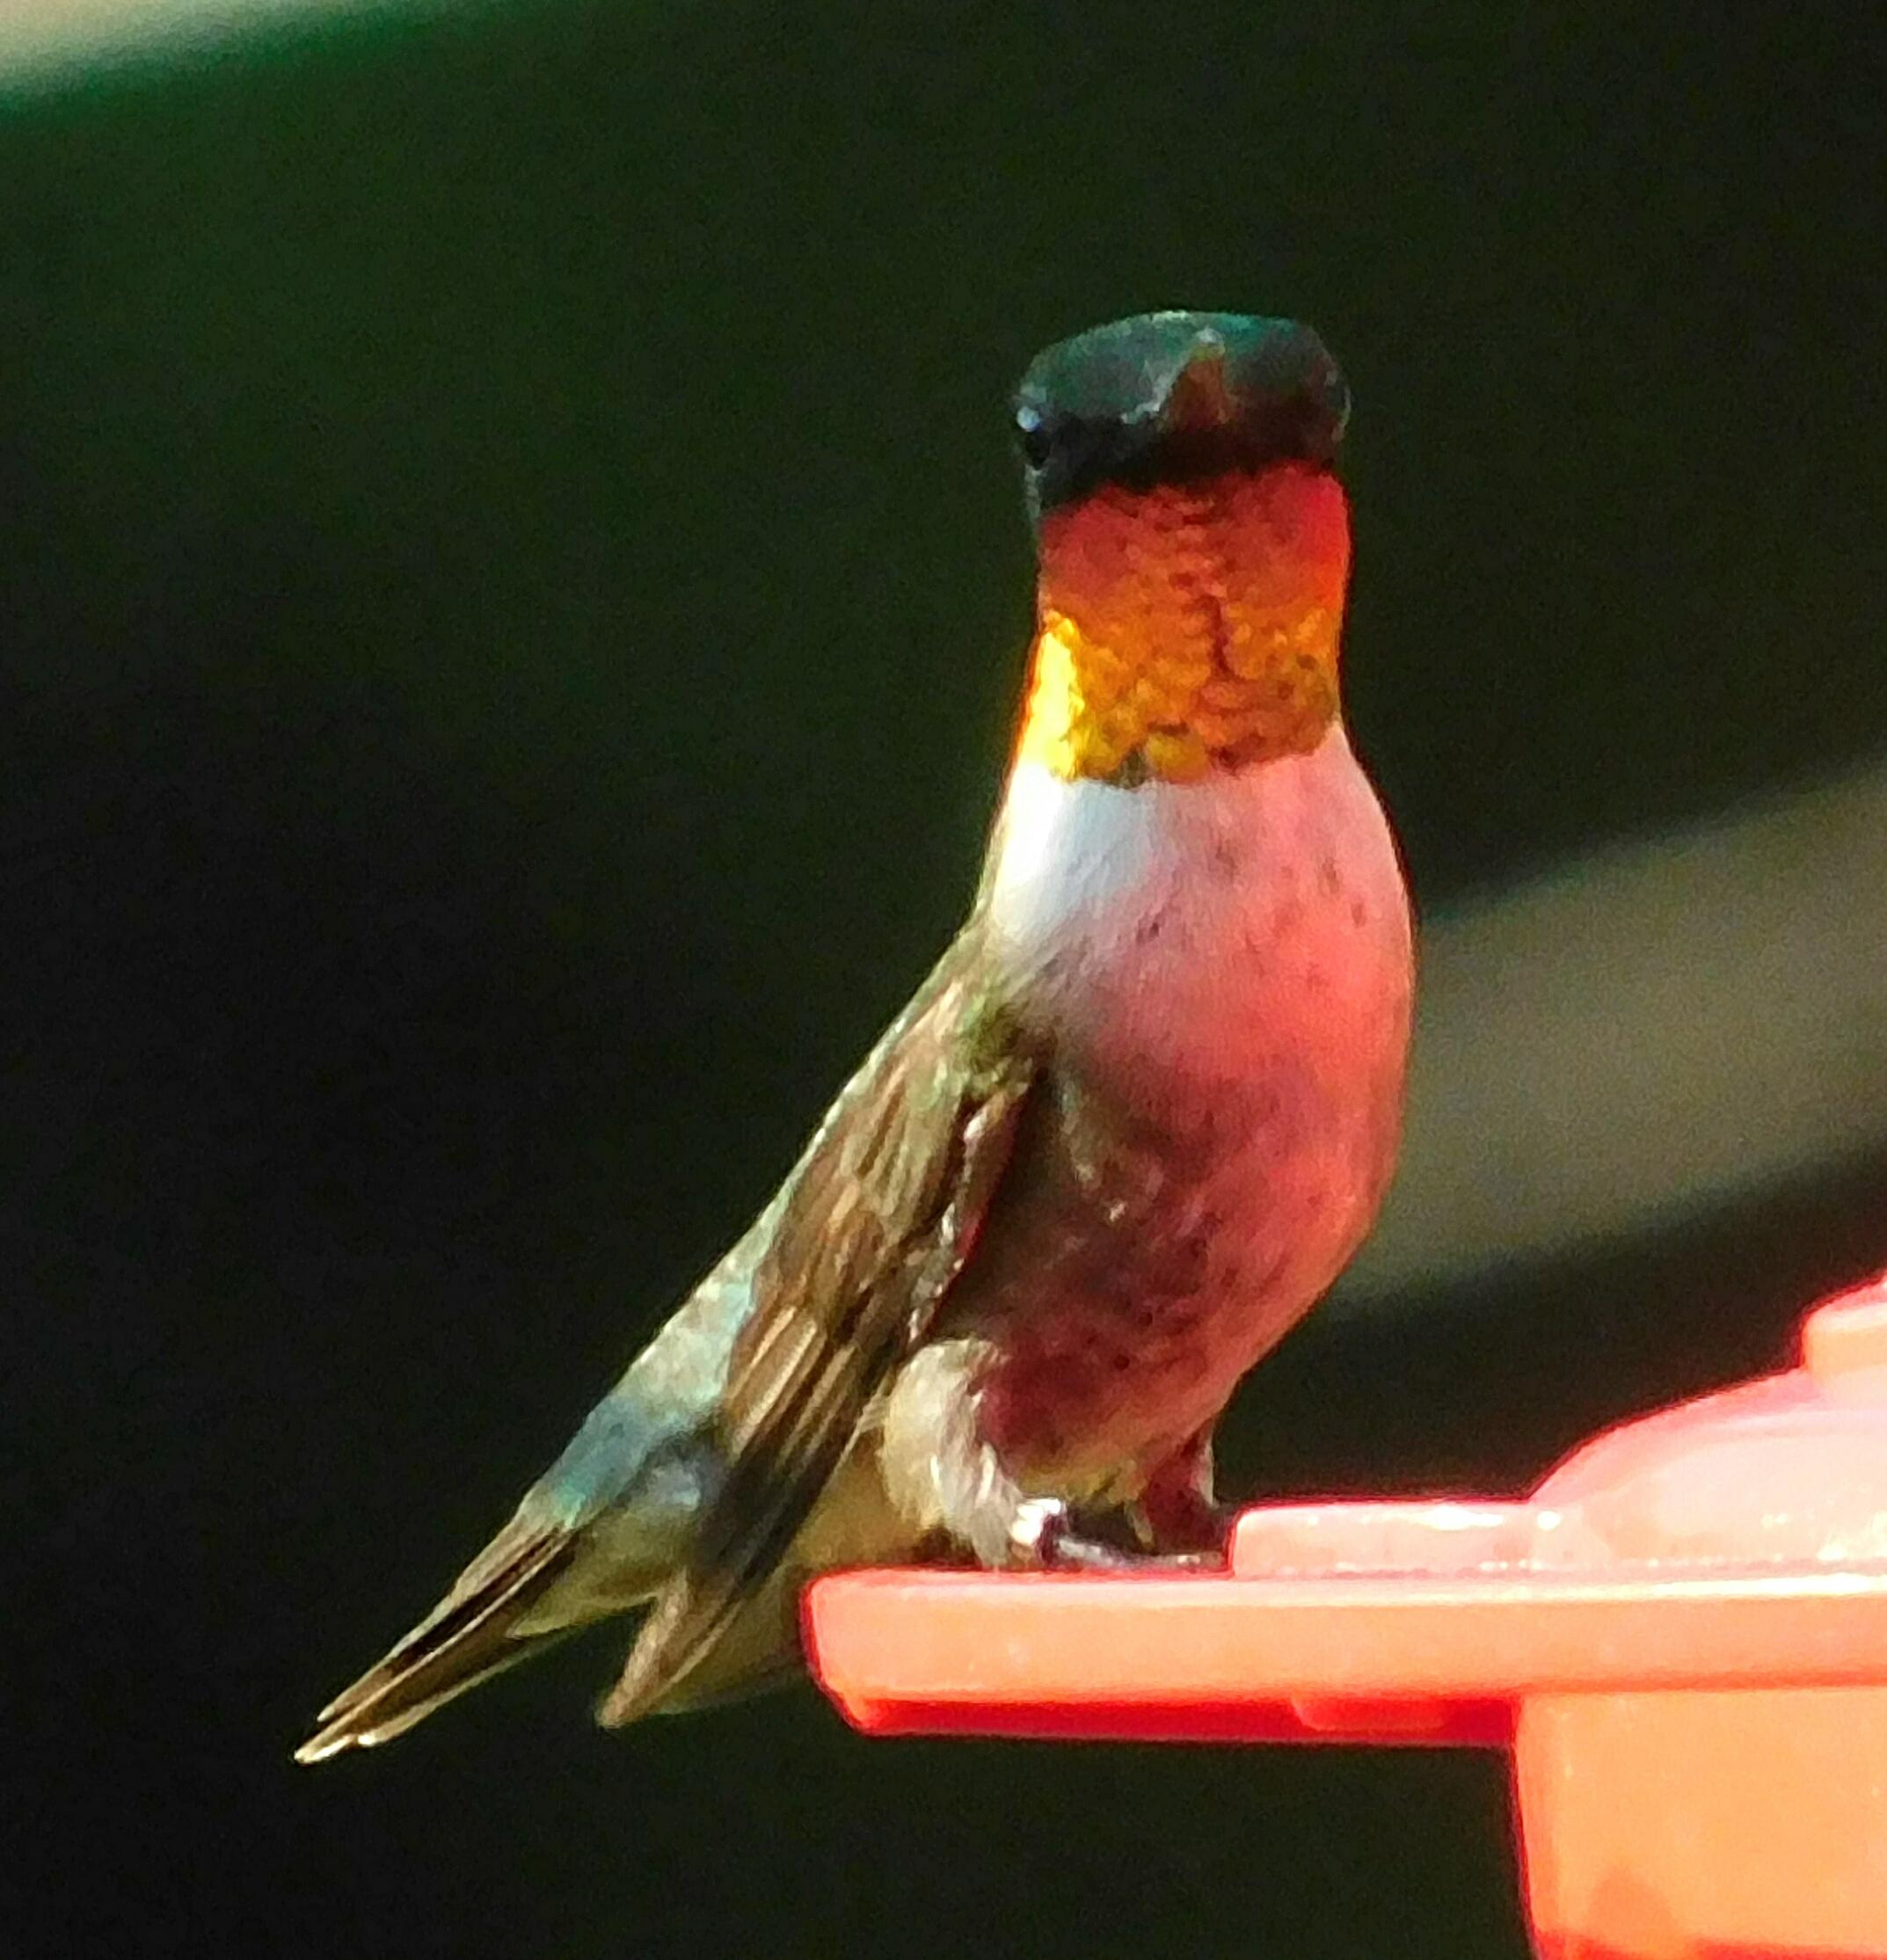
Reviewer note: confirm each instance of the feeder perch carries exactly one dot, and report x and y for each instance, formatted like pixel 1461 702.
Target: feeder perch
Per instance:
pixel 1680 1639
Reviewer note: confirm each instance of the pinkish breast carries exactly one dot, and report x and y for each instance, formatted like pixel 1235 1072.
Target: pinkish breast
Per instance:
pixel 1224 972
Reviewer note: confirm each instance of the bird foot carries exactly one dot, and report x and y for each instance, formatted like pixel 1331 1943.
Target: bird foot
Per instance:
pixel 1042 1539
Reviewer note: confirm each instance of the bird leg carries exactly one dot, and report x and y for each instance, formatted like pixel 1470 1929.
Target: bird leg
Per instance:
pixel 1043 1537
pixel 944 1475
pixel 1178 1524
pixel 1177 1516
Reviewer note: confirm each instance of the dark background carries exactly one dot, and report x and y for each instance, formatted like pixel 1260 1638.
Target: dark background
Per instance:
pixel 513 590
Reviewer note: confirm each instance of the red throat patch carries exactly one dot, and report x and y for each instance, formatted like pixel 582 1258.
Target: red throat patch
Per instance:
pixel 1190 626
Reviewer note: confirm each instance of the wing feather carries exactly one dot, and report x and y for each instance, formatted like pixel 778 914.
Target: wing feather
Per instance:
pixel 881 1213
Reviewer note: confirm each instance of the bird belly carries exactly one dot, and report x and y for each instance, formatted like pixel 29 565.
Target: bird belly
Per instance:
pixel 1223 973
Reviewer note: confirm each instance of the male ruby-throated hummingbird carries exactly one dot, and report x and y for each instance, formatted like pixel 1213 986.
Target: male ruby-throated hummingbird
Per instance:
pixel 1130 1127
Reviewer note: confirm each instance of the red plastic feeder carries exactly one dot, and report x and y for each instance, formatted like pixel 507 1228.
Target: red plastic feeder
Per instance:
pixel 1682 1639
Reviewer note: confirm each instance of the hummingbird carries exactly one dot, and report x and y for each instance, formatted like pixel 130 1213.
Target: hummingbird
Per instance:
pixel 1127 1133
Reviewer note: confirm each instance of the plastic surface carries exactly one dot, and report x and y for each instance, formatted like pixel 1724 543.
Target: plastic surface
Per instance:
pixel 1682 1639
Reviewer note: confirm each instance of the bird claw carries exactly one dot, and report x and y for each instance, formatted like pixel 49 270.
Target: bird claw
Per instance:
pixel 1042 1540
pixel 1039 1525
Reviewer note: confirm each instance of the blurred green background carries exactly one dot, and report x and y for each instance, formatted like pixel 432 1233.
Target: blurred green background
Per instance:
pixel 512 587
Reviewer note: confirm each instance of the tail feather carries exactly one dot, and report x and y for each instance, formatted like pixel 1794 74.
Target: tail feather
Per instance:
pixel 476 1631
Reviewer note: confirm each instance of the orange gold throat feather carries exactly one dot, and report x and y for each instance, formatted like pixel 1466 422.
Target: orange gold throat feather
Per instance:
pixel 1188 627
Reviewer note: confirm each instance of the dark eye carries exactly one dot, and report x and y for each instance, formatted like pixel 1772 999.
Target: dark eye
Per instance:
pixel 1037 438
